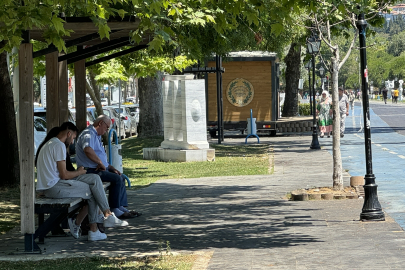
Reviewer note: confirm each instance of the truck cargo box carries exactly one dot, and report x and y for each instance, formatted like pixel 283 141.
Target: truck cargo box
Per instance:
pixel 250 81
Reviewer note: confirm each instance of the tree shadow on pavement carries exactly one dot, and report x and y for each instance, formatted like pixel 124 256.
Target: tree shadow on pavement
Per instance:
pixel 195 217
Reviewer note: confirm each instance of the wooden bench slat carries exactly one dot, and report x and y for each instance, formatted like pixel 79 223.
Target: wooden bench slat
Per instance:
pixel 63 202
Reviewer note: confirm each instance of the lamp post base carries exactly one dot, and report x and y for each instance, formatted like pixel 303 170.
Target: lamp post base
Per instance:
pixel 373 216
pixel 371 208
pixel 315 142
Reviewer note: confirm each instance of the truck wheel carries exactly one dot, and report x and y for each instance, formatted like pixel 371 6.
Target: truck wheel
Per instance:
pixel 213 133
pixel 273 133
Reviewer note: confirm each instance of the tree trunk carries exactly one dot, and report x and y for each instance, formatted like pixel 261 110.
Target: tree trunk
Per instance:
pixel 94 92
pixel 292 76
pixel 125 91
pixel 8 136
pixel 109 95
pixel 337 158
pixel 150 106
pixel 136 90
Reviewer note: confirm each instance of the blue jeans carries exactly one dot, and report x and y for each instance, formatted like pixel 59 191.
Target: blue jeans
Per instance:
pixel 118 194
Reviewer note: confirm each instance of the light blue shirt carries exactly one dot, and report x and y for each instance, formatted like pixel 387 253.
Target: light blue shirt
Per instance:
pixel 90 138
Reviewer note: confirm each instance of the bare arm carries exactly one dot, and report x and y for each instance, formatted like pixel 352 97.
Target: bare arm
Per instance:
pixel 65 174
pixel 89 152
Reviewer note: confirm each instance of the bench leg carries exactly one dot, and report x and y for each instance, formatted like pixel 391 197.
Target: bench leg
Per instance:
pixel 49 224
pixel 41 219
pixel 30 245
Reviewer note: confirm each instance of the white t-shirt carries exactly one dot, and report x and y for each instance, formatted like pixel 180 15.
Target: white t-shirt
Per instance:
pixel 47 169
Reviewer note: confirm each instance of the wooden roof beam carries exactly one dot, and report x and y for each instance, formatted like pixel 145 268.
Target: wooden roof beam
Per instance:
pixel 97 49
pixel 74 42
pixel 115 55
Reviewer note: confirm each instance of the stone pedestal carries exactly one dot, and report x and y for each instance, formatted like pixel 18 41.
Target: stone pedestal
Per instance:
pixel 176 155
pixel 184 112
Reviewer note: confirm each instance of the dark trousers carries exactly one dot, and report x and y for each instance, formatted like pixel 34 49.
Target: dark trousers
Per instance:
pixel 117 193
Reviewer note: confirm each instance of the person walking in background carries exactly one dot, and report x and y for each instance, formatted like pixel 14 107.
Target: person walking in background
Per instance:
pixel 396 94
pixel 343 110
pixel 324 112
pixel 351 99
pixel 385 94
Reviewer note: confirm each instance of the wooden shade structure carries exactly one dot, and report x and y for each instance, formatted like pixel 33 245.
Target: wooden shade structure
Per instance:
pixel 84 33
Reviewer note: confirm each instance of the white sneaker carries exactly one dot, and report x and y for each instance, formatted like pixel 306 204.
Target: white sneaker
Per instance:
pixel 113 221
pixel 74 229
pixel 95 236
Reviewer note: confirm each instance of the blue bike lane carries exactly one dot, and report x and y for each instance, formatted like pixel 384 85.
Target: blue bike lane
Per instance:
pixel 388 155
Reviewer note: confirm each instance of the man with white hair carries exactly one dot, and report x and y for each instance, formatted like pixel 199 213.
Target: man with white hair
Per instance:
pixel 91 154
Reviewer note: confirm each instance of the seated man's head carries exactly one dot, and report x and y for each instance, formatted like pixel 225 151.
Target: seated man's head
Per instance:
pixel 67 133
pixel 102 124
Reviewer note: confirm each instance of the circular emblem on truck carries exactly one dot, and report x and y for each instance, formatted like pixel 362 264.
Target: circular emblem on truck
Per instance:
pixel 239 92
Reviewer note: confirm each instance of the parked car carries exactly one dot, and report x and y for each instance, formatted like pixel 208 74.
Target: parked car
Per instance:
pixel 41 112
pixel 104 102
pixel 131 99
pixel 110 112
pixel 128 118
pixel 134 109
pixel 89 116
pixel 92 111
pixel 39 132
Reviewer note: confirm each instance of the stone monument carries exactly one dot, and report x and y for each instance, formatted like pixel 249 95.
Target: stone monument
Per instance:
pixel 184 114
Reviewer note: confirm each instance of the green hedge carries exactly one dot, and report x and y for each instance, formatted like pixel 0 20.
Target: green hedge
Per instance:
pixel 304 109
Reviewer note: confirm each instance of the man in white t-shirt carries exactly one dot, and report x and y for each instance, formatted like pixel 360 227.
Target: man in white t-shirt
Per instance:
pixel 55 181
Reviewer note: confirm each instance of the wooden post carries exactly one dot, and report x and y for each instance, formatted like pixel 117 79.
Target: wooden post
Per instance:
pixel 52 90
pixel 63 91
pixel 80 95
pixel 26 113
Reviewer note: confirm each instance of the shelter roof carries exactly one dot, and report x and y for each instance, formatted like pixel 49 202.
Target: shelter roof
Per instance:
pixel 83 26
pixel 252 54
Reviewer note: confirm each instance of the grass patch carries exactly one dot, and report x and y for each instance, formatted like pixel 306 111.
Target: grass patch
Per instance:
pixel 230 160
pixel 179 262
pixel 10 209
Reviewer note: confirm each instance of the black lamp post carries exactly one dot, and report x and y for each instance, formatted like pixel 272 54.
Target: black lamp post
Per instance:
pixel 371 208
pixel 308 67
pixel 321 72
pixel 313 46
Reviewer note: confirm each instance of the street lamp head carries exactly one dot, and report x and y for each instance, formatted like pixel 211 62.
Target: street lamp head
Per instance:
pixel 321 71
pixel 313 44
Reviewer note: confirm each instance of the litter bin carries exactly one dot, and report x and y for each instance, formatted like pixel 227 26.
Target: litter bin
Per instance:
pixel 251 129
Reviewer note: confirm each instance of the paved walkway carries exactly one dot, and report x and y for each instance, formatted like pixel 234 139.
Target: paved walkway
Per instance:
pixel 246 222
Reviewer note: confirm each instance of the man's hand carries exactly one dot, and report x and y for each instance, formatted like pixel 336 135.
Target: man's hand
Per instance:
pixel 100 167
pixel 114 170
pixel 347 113
pixel 81 170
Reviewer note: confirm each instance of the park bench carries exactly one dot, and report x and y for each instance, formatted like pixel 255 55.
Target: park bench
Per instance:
pixel 58 210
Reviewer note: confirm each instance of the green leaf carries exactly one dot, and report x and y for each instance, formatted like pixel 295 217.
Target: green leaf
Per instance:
pixel 156 44
pixel 58 23
pixel 104 31
pixel 122 13
pixel 277 28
